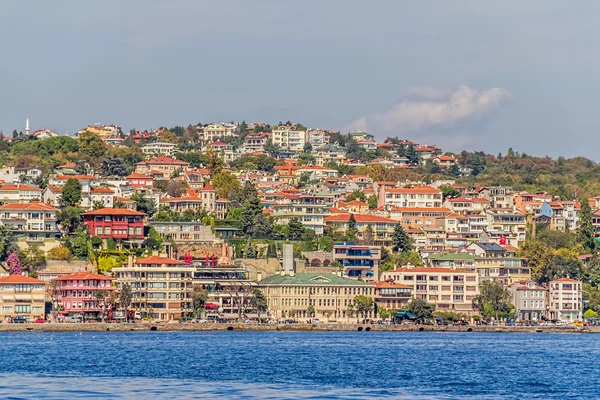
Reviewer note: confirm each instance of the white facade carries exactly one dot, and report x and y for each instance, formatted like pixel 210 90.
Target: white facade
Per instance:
pixel 288 138
pixel 159 148
pixel 565 299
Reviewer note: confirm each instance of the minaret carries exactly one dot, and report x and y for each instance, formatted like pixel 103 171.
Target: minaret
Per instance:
pixel 27 126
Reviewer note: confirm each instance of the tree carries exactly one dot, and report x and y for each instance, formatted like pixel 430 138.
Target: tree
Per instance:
pixel 352 222
pixel 400 239
pixel 33 258
pixel 356 195
pixel 307 147
pixel 91 146
pixel 310 310
pixel 586 232
pixel 556 239
pixel 250 250
pixel 98 204
pixel 263 226
pixel 368 236
pixel 449 191
pixel 295 229
pixel 78 245
pixel 113 166
pixel 590 314
pixel 372 202
pixel 272 149
pixel 144 204
pixel 364 305
pixel 71 193
pixel 69 218
pixel 125 297
pixel 564 264
pixel 421 309
pixel 538 256
pixel 199 297
pixel 492 295
pixel 259 301
pixel 14 264
pixel 154 240
pixel 212 160
pixel 60 253
pixel 8 243
pixel 250 212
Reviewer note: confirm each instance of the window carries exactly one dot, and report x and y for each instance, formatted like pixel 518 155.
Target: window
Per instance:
pixel 107 230
pixel 98 230
pixel 22 308
pixel 138 231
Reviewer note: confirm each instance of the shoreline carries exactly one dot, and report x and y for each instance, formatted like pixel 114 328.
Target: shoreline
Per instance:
pixel 176 327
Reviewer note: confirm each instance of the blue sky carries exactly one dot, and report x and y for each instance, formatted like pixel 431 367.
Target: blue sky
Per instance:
pixel 470 74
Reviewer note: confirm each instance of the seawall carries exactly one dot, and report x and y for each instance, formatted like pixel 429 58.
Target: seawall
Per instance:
pixel 175 327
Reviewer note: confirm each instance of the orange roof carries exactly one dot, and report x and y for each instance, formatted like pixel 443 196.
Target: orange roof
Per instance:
pixel 101 190
pixel 83 276
pixel 430 269
pixel 166 160
pixel 68 165
pixel 564 280
pixel 421 209
pixel 391 285
pixel 356 203
pixel 18 186
pixel 19 279
pixel 113 211
pixel 75 177
pixel 158 260
pixel 28 206
pixel 207 188
pixel 138 176
pixel 124 200
pixel 416 189
pixel 359 218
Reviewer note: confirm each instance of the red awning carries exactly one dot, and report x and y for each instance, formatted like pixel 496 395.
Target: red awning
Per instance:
pixel 211 305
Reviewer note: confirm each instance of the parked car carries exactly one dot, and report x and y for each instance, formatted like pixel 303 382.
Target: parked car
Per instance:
pixel 40 321
pixel 200 321
pixel 73 319
pixel 20 320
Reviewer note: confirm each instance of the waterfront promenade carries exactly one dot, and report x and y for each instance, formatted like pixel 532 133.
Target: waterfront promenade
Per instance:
pixel 149 326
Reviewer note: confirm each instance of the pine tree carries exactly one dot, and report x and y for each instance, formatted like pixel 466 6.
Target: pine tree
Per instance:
pixel 352 222
pixel 400 239
pixel 586 234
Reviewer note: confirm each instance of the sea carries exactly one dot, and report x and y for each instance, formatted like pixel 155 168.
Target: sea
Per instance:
pixel 298 365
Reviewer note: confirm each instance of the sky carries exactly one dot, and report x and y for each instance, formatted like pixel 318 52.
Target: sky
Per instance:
pixel 472 75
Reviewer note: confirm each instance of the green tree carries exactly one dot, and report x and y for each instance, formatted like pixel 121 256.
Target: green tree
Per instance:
pixel 250 250
pixel 8 243
pixel 144 204
pixel 199 297
pixel 538 256
pixel 226 185
pixel 154 240
pixel 310 310
pixel 69 218
pixel 449 191
pixel 259 301
pixel 400 239
pixel 493 296
pixel 564 264
pixel 125 296
pixel 356 195
pixel 91 146
pixel 71 193
pixel 352 222
pixel 556 239
pixel 295 229
pixel 364 305
pixel 368 236
pixel 586 233
pixel 421 309
pixel 372 202
pixel 79 244
pixel 263 226
pixel 590 314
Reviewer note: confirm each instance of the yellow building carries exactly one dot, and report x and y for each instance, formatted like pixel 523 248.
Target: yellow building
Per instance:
pixel 21 296
pixel 325 296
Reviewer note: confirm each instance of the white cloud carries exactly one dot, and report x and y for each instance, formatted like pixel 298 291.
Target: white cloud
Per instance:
pixel 426 108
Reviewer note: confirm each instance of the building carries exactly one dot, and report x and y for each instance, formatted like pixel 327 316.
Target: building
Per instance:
pixel 418 217
pixel 182 232
pixel 255 143
pixel 161 167
pixel 160 287
pixel 289 139
pixel 382 228
pixel 390 295
pixel 213 132
pixel 21 296
pixel 358 261
pixel 448 289
pixel 415 197
pixel 140 181
pixel 159 148
pixel 565 299
pixel 506 220
pixel 317 138
pixel 83 294
pixel 291 295
pixel 35 221
pixel 52 195
pixel 19 193
pixel 311 210
pixel 529 300
pixel 115 223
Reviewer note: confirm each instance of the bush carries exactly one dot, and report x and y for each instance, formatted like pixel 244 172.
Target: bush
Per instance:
pixel 96 241
pixel 111 244
pixel 60 253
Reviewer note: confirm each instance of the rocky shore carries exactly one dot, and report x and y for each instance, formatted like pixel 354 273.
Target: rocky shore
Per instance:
pixel 172 327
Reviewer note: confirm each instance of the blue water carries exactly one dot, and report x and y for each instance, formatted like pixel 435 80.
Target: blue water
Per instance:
pixel 319 365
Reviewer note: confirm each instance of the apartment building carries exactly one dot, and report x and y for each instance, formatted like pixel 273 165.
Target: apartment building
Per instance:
pixel 21 296
pixel 565 299
pixel 291 295
pixel 390 295
pixel 83 294
pixel 53 192
pixel 140 181
pixel 317 138
pixel 311 210
pixel 358 261
pixel 161 167
pixel 160 286
pixel 19 193
pixel 415 197
pixel 35 221
pixel 183 232
pixel 383 228
pixel 115 223
pixel 213 132
pixel 255 143
pixel 159 148
pixel 448 289
pixel 507 220
pixel 462 205
pixel 288 138
pixel 529 300
pixel 497 196
pixel 418 217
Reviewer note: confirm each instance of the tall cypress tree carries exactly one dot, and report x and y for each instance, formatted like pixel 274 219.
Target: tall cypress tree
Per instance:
pixel 586 233
pixel 400 239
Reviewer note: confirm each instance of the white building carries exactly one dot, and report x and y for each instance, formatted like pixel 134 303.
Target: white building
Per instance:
pixel 288 138
pixel 159 148
pixel 565 299
pixel 212 132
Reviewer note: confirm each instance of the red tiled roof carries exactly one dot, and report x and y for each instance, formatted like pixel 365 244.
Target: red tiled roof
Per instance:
pixel 359 218
pixel 83 276
pixel 430 269
pixel 207 188
pixel 101 190
pixel 391 285
pixel 564 280
pixel 138 176
pixel 19 186
pixel 158 260
pixel 166 160
pixel 28 206
pixel 113 211
pixel 19 279
pixel 75 177
pixel 417 189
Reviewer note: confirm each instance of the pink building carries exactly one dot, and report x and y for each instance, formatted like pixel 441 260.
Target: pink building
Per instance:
pixel 84 293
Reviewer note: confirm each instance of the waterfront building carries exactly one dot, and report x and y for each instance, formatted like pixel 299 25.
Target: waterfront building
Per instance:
pixel 391 295
pixel 160 286
pixel 448 289
pixel 529 300
pixel 310 295
pixel 565 299
pixel 21 296
pixel 83 294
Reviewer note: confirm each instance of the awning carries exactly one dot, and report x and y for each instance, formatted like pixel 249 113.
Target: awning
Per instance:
pixel 404 314
pixel 211 305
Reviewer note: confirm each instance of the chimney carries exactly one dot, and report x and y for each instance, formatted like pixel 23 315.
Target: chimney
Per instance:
pixel 258 276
